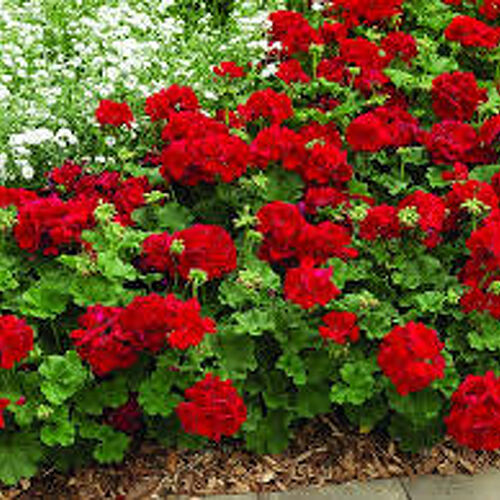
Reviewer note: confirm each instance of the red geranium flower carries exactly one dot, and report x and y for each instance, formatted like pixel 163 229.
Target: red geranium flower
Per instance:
pixel 307 286
pixel 16 340
pixel 213 409
pixel 474 420
pixel 411 357
pixel 114 113
pixel 340 327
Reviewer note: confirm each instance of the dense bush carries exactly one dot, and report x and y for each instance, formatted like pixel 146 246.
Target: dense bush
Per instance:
pixel 325 238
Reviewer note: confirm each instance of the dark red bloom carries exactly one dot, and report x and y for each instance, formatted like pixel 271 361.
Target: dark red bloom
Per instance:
pixel 102 342
pixel 431 211
pixel 230 69
pixel 471 32
pixel 278 144
pixel 49 223
pixel 114 113
pixel 187 327
pixel 489 134
pixel 368 133
pixel 291 71
pixel 281 224
pixel 147 318
pixel 161 105
pixel 66 175
pixel 411 357
pixel 452 141
pixel 341 326
pixel 16 340
pixel 126 418
pixel 399 44
pixel 293 31
pixel 326 164
pixel 456 96
pixel 267 104
pixel 368 11
pixel 380 221
pixel 15 196
pixel 474 419
pixel 213 409
pixel 307 286
pixel 206 247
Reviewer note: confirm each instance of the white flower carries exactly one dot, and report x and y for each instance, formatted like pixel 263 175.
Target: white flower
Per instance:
pixel 110 141
pixel 27 172
pixel 269 70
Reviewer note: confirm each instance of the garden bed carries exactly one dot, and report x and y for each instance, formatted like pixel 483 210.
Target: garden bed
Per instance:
pixel 326 451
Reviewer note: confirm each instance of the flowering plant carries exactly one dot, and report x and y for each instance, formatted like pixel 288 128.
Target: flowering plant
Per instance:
pixel 330 241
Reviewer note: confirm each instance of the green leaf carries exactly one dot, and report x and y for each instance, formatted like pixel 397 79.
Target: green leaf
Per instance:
pixel 236 354
pixel 413 436
pixel 272 433
pixel 312 400
pixel 377 321
pixel 107 394
pixel 484 173
pixel 416 406
pixel 113 446
pixel 45 299
pixel 58 429
pixel 359 383
pixel 111 266
pixel 292 364
pixel 62 376
pixel 155 394
pixel 367 415
pixel 19 456
pixel 254 321
pixel 283 186
pixel 90 290
pixel 486 336
pixel 170 217
pixel 277 390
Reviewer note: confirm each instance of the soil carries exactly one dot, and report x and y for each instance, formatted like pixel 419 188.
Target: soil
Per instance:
pixel 325 451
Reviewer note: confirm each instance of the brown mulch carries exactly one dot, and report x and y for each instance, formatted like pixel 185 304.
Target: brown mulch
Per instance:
pixel 324 451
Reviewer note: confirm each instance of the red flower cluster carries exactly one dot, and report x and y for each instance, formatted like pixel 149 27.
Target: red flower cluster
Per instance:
pixel 291 71
pixel 411 357
pixel 288 235
pixel 111 338
pixel 471 32
pixel 341 326
pixel 313 152
pixel 15 196
pixel 114 113
pixel 206 247
pixel 229 69
pixel 456 96
pixel 399 44
pixel 431 215
pixel 482 271
pixel 16 340
pixel 489 8
pixel 214 409
pixel 126 418
pixel 380 222
pixel 372 11
pixel 201 149
pixel 453 141
pixel 383 127
pixel 266 104
pixel 108 187
pixel 46 224
pixel 474 420
pixel 308 286
pixel 161 105
pixel 293 31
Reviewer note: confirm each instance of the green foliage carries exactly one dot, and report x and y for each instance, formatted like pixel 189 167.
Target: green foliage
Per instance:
pixel 20 453
pixel 62 376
